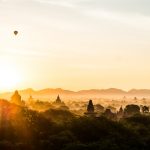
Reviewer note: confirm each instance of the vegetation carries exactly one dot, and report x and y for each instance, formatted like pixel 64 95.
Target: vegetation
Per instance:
pixel 57 129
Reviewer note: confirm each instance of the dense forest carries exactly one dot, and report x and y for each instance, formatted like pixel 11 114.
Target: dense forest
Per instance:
pixel 54 129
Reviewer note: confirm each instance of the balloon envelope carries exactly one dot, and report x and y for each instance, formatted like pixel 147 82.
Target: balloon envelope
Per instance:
pixel 15 32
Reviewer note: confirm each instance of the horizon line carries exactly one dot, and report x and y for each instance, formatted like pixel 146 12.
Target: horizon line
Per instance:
pixel 35 90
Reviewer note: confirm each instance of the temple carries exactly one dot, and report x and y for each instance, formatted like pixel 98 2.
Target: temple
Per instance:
pixel 30 100
pixel 90 110
pixel 58 100
pixel 16 99
pixel 120 113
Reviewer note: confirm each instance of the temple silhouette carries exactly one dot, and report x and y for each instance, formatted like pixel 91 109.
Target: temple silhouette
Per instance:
pixel 16 99
pixel 90 110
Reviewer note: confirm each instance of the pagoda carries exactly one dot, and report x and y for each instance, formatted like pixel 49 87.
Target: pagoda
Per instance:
pixel 58 100
pixel 16 99
pixel 90 110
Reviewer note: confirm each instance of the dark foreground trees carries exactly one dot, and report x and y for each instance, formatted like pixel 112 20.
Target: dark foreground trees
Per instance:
pixel 22 129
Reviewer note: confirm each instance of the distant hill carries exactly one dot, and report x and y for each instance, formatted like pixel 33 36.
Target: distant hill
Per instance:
pixel 111 91
pixel 139 92
pixel 92 93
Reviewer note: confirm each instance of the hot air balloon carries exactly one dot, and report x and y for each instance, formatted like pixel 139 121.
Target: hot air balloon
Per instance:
pixel 15 32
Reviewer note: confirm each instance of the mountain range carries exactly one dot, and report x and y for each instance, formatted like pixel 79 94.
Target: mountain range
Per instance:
pixel 92 93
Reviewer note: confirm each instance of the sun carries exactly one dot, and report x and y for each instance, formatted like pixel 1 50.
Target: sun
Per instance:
pixel 9 76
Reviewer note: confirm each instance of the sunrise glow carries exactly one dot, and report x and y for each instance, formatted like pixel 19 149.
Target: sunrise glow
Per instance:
pixel 74 44
pixel 10 76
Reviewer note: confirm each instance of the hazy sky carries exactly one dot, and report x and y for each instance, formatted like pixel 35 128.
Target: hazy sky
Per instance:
pixel 75 44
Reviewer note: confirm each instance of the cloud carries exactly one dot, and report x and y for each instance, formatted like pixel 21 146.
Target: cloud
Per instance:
pixel 124 6
pixel 134 13
pixel 61 3
pixel 131 19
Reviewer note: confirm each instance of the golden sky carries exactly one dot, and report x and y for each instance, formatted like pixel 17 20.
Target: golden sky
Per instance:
pixel 74 44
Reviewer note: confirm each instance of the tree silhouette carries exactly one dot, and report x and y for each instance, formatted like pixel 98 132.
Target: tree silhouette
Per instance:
pixel 145 109
pixel 131 110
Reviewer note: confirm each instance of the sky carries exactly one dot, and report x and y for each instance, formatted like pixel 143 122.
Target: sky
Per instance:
pixel 74 44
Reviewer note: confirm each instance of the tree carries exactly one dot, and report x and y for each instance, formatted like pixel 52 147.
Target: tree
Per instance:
pixel 131 110
pixel 99 108
pixel 145 109
pixel 108 114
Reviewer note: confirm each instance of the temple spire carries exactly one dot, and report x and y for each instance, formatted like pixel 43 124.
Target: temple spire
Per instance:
pixel 90 110
pixel 16 99
pixel 90 107
pixel 58 100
